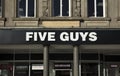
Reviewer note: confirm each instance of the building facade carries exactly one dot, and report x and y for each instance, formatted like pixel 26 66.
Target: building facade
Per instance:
pixel 45 58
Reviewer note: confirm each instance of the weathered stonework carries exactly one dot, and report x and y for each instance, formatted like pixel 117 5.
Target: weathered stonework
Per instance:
pixel 2 23
pixel 97 23
pixel 61 24
pixel 26 23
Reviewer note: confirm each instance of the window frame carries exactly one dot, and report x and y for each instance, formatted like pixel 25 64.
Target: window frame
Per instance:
pixel 96 65
pixel 26 11
pixel 69 9
pixel 95 9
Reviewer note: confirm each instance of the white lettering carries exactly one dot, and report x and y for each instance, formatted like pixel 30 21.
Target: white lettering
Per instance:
pixel 74 37
pixel 84 35
pixel 51 36
pixel 42 37
pixel 64 36
pixel 29 35
pixel 93 36
pixel 35 36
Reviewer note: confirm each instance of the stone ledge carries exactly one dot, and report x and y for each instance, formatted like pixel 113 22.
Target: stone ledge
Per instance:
pixel 61 19
pixel 25 19
pixel 2 22
pixel 2 19
pixel 97 19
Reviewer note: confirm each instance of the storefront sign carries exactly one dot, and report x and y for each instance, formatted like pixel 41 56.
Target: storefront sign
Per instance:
pixel 63 36
pixel 60 36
